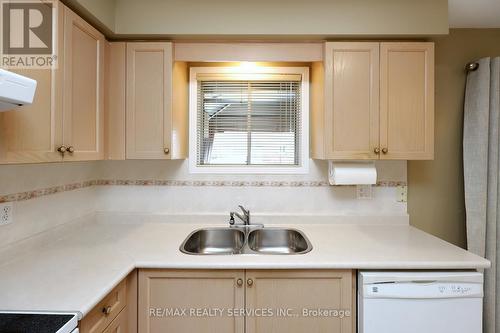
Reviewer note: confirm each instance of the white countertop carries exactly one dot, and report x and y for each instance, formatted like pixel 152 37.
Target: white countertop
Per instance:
pixel 73 268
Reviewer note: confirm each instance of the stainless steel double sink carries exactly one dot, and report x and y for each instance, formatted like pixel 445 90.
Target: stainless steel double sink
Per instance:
pixel 245 240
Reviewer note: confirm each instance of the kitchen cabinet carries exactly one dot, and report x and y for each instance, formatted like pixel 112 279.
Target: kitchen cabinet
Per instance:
pixel 373 101
pixel 303 292
pixel 119 324
pixel 99 318
pixel 116 312
pixel 349 127
pixel 156 107
pixel 407 101
pixel 274 301
pixel 189 289
pixel 32 133
pixel 83 93
pixel 66 119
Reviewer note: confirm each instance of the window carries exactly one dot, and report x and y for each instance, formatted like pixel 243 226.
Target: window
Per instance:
pixel 249 122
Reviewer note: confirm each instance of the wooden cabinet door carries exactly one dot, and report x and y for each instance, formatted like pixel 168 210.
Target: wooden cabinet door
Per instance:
pixel 83 99
pixel 32 133
pixel 148 101
pixel 407 101
pixel 161 291
pixel 298 291
pixel 114 303
pixel 351 100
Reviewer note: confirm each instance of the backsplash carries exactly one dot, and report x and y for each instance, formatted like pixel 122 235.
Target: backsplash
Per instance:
pixel 49 195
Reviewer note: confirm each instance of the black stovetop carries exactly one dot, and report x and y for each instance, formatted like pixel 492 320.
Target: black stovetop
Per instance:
pixel 32 322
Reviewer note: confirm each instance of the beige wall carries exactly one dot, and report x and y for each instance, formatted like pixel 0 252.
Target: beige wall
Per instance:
pixel 100 13
pixel 181 18
pixel 104 10
pixel 436 194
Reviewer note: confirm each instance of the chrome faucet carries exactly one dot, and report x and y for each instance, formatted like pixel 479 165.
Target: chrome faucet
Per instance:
pixel 245 218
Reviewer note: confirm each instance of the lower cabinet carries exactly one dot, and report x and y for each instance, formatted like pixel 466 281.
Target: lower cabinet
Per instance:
pixel 119 324
pixel 103 314
pixel 116 312
pixel 178 301
pixel 250 301
pixel 302 301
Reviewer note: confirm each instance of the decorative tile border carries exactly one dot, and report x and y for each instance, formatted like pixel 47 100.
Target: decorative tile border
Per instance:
pixel 22 196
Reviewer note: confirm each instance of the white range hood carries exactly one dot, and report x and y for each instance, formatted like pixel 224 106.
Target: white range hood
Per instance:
pixel 15 90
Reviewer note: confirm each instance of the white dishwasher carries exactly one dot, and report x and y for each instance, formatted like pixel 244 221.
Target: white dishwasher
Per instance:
pixel 417 302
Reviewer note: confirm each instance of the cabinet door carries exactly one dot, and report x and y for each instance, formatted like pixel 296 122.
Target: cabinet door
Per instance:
pixel 407 101
pixel 299 291
pixel 351 100
pixel 83 100
pixel 149 95
pixel 106 310
pixel 32 133
pixel 161 291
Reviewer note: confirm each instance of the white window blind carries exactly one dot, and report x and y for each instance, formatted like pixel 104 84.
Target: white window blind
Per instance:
pixel 249 122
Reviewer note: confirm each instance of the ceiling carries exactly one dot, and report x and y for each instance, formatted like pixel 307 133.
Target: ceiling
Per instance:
pixel 474 13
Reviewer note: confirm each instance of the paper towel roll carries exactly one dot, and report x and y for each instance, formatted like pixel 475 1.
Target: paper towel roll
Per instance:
pixel 352 173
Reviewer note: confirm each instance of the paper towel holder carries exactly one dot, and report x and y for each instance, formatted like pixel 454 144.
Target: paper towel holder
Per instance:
pixel 352 173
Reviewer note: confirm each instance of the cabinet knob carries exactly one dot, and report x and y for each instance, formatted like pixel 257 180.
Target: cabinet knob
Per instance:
pixel 70 149
pixel 376 150
pixel 166 150
pixel 62 149
pixel 239 282
pixel 249 282
pixel 385 150
pixel 106 310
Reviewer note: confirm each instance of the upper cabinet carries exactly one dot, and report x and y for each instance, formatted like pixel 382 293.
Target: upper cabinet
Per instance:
pixel 156 126
pixel 66 119
pixel 407 101
pixel 373 101
pixel 83 97
pixel 33 133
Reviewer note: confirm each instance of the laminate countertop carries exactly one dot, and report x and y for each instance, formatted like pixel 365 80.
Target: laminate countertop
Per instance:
pixel 74 267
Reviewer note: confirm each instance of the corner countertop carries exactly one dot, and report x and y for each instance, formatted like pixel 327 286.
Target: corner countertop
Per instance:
pixel 73 268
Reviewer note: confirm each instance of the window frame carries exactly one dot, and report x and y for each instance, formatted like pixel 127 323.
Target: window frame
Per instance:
pixel 249 74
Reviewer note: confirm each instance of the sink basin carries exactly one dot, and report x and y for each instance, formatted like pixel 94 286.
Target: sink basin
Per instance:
pixel 214 241
pixel 246 241
pixel 278 241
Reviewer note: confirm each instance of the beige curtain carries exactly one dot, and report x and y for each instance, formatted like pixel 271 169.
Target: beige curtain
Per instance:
pixel 481 176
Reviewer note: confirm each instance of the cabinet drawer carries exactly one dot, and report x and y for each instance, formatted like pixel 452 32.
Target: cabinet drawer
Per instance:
pixel 104 312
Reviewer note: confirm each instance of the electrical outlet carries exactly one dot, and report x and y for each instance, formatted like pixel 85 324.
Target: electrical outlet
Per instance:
pixel 6 213
pixel 364 191
pixel 402 194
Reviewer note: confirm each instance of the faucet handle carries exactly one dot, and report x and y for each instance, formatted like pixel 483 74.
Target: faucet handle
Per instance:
pixel 245 211
pixel 231 218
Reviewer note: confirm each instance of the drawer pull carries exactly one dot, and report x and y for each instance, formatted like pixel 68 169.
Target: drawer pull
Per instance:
pixel 106 310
